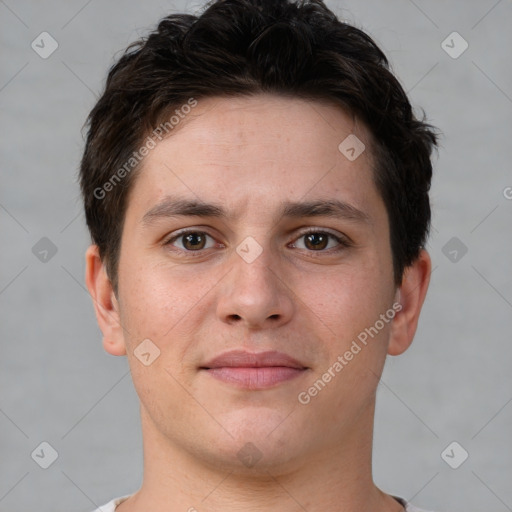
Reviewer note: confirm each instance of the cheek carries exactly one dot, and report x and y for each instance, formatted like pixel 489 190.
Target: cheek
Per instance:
pixel 151 302
pixel 163 303
pixel 349 299
pixel 154 312
pixel 358 314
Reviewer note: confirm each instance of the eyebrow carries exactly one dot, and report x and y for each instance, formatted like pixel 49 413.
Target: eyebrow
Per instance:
pixel 173 206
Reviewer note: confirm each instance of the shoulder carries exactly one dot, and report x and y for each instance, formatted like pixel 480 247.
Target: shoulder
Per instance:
pixel 409 507
pixel 111 505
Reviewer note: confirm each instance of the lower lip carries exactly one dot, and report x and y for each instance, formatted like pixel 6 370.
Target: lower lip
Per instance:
pixel 255 378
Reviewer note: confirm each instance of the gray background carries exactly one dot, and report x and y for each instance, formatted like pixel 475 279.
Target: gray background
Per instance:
pixel 59 386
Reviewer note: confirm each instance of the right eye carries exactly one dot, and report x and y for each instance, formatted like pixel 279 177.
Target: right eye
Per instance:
pixel 191 240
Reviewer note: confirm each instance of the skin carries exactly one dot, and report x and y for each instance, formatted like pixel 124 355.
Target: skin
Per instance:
pixel 250 154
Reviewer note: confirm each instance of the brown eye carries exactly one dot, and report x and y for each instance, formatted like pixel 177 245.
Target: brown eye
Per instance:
pixel 190 241
pixel 316 240
pixel 193 241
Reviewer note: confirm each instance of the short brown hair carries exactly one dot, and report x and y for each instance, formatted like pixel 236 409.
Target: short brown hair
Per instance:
pixel 243 47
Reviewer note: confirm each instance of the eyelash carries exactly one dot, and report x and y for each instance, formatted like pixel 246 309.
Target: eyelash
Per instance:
pixel 343 241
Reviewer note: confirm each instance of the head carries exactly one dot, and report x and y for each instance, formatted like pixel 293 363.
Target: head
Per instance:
pixel 245 111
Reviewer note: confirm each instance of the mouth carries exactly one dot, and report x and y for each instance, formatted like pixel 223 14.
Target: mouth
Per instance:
pixel 253 371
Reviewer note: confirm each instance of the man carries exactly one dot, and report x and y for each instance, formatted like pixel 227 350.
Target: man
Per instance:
pixel 256 187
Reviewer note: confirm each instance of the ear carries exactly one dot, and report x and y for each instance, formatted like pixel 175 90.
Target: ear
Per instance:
pixel 410 295
pixel 105 303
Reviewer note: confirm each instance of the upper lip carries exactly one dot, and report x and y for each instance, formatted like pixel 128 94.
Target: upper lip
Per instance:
pixel 244 359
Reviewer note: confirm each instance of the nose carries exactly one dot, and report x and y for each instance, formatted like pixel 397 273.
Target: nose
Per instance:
pixel 255 293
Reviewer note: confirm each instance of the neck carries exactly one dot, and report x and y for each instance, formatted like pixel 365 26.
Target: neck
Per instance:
pixel 337 479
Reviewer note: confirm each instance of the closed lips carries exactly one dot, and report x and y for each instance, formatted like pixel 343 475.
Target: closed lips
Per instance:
pixel 251 371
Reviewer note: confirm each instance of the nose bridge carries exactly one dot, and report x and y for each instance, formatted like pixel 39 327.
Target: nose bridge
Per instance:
pixel 253 292
pixel 253 263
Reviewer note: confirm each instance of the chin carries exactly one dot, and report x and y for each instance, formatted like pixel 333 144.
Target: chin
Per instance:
pixel 255 457
pixel 263 440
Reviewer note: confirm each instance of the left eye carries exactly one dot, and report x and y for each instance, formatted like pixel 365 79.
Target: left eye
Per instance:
pixel 318 240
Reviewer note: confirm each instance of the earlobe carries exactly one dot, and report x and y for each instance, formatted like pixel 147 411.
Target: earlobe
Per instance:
pixel 105 303
pixel 411 296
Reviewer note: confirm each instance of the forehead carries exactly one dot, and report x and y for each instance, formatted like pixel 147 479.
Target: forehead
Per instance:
pixel 257 150
pixel 312 128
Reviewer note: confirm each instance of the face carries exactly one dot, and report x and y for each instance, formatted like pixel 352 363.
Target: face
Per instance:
pixel 261 270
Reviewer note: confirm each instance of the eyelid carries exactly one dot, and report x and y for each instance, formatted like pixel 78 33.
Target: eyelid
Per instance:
pixel 335 234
